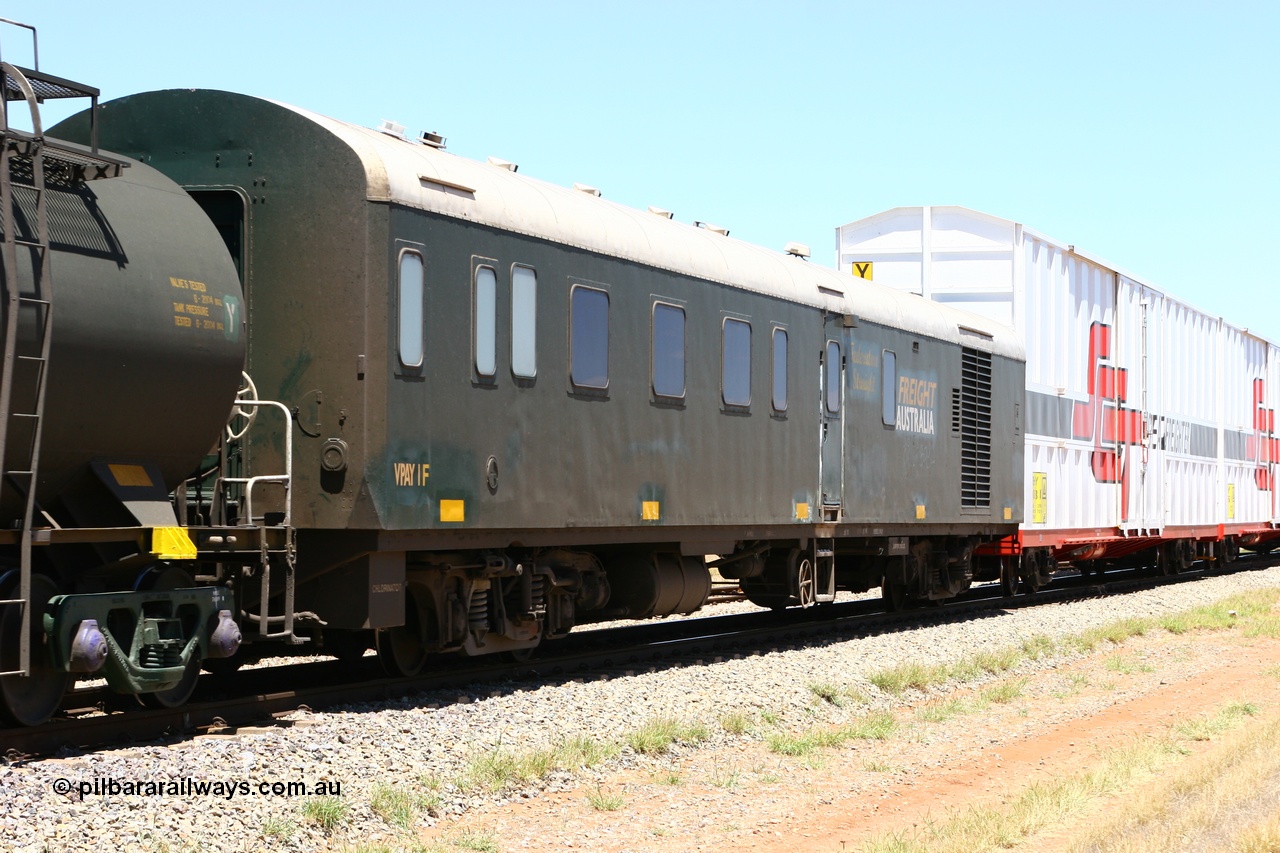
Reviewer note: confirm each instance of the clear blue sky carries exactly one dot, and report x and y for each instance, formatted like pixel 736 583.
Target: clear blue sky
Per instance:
pixel 1144 132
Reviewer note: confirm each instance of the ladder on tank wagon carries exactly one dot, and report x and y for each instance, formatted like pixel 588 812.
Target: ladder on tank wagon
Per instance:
pixel 30 165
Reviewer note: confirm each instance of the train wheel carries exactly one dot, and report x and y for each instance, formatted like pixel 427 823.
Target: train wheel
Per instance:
pixel 1187 555
pixel 522 655
pixel 894 595
pixel 1009 579
pixel 179 693
pixel 345 645
pixel 28 700
pixel 402 650
pixel 160 578
pixel 806 583
pixel 222 667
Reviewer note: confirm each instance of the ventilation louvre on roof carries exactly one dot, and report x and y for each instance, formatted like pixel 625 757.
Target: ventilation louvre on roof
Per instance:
pixel 391 128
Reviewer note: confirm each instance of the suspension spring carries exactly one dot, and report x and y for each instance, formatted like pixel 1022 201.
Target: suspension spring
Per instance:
pixel 539 596
pixel 478 612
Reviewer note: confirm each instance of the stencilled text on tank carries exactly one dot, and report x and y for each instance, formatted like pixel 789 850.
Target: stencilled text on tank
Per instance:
pixel 195 308
pixel 917 405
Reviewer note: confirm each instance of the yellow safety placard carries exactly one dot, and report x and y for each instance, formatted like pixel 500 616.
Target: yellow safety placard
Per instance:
pixel 453 511
pixel 1039 497
pixel 862 269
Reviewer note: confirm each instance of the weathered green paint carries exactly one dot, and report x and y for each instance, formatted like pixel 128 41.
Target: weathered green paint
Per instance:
pixel 131 622
pixel 573 468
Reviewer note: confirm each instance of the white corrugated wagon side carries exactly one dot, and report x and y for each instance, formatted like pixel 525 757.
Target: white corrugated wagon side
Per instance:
pixel 1150 425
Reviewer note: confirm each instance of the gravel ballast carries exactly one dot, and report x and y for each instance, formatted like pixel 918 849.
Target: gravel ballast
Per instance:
pixel 146 797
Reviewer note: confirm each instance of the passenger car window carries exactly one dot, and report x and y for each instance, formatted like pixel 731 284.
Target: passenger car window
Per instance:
pixel 486 320
pixel 668 350
pixel 412 335
pixel 833 378
pixel 779 370
pixel 524 322
pixel 589 337
pixel 736 378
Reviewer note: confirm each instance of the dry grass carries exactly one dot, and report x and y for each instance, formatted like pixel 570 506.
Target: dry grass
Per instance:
pixel 1224 799
pixel 1159 818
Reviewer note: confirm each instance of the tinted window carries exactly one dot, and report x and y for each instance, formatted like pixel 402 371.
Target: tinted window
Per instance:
pixel 668 350
pixel 779 370
pixel 524 322
pixel 589 337
pixel 486 331
pixel 833 377
pixel 889 405
pixel 411 309
pixel 736 382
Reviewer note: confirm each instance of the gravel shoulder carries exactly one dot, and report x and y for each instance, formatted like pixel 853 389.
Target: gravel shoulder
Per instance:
pixel 742 796
pixel 727 791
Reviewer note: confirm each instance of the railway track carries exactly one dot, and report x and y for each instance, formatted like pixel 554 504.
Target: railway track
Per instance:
pixel 94 719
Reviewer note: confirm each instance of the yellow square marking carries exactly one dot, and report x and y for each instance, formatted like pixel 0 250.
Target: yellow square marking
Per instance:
pixel 919 511
pixel 650 511
pixel 802 512
pixel 453 511
pixel 130 475
pixel 1008 513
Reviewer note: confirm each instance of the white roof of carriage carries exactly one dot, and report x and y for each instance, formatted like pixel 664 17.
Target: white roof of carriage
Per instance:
pixel 420 176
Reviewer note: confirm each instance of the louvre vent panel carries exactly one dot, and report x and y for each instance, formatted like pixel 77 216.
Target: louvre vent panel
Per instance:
pixel 974 416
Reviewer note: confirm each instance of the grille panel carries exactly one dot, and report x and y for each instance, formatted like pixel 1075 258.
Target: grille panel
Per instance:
pixel 975 428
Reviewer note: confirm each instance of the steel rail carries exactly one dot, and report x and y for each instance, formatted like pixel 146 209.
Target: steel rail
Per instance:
pixel 590 654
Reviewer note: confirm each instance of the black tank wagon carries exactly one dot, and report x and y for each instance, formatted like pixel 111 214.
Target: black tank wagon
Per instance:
pixel 123 338
pixel 514 407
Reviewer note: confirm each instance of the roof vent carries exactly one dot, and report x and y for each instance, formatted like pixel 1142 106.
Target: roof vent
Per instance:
pixel 431 138
pixel 657 211
pixel 800 250
pixel 503 164
pixel 715 228
pixel 583 188
pixel 391 128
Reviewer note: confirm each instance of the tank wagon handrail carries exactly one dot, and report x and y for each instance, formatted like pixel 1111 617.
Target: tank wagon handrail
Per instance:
pixel 286 478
